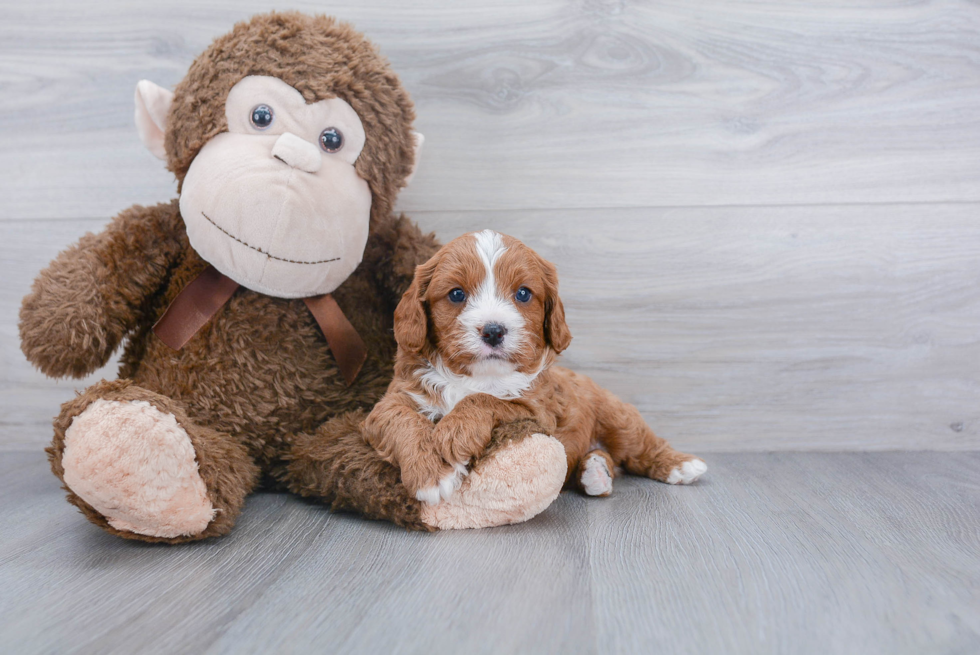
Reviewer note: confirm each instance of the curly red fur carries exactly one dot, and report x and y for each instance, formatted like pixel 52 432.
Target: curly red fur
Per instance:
pixel 431 334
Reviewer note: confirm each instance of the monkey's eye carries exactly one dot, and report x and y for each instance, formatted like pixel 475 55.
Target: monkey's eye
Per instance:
pixel 523 294
pixel 331 139
pixel 457 295
pixel 261 117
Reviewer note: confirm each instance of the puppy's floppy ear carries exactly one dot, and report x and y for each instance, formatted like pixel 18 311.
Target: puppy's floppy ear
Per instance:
pixel 411 319
pixel 555 329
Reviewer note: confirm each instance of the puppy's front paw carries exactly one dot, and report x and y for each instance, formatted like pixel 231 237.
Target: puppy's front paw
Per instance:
pixel 459 440
pixel 431 479
pixel 687 472
pixel 445 488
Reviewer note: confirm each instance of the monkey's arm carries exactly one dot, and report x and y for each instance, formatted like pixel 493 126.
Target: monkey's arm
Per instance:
pixel 395 248
pixel 83 304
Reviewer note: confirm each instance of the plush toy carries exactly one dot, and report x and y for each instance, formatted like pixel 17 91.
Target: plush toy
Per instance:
pixel 257 307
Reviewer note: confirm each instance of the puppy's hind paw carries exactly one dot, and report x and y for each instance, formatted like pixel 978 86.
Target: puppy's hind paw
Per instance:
pixel 596 477
pixel 687 472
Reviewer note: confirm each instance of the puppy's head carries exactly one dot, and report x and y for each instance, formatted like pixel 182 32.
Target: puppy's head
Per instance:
pixel 484 303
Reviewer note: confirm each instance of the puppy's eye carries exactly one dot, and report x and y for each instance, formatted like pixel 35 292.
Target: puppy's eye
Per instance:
pixel 523 294
pixel 457 295
pixel 261 117
pixel 331 139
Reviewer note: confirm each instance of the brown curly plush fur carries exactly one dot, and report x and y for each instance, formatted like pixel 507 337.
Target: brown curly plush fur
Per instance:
pixel 223 462
pixel 254 388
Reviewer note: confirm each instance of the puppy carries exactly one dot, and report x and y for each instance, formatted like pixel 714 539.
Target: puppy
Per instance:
pixel 478 332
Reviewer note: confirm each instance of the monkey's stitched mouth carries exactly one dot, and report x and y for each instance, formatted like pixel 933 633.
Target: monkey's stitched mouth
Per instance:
pixel 270 256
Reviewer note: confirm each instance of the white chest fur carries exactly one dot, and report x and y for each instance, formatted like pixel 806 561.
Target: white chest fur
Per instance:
pixel 446 388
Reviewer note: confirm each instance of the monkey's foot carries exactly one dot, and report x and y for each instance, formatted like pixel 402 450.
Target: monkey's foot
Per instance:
pixel 136 466
pixel 514 484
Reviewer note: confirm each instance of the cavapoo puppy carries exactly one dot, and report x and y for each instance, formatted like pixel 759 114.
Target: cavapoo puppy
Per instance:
pixel 478 332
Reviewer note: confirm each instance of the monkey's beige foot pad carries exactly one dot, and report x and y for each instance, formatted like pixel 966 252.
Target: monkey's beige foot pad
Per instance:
pixel 136 466
pixel 516 483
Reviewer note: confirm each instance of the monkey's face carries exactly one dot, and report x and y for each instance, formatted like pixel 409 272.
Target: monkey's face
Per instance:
pixel 274 203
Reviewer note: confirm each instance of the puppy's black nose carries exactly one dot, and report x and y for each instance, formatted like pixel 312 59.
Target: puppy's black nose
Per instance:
pixel 493 334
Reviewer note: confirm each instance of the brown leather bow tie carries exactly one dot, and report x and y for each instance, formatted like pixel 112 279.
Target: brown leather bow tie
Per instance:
pixel 208 292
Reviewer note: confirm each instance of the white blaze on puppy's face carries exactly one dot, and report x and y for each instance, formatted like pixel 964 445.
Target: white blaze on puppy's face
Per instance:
pixel 492 304
pixel 273 203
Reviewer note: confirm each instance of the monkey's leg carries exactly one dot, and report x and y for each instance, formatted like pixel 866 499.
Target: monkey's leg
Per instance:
pixel 518 476
pixel 632 444
pixel 337 466
pixel 136 466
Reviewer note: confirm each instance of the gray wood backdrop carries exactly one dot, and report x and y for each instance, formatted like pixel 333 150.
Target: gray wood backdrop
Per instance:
pixel 764 214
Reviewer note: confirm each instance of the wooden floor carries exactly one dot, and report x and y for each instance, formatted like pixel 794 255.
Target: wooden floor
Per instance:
pixel 771 553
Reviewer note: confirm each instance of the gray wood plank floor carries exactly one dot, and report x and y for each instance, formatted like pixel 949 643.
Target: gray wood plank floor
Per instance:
pixel 771 553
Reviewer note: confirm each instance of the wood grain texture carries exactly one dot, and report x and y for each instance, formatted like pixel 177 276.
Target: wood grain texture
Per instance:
pixel 553 104
pixel 756 328
pixel 770 553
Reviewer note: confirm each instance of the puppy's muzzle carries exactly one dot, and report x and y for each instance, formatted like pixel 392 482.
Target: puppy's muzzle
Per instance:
pixel 493 334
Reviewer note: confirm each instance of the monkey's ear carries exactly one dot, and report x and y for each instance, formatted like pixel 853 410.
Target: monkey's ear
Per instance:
pixel 419 139
pixel 152 107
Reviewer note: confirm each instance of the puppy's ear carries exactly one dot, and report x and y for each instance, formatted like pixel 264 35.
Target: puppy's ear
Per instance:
pixel 555 328
pixel 411 319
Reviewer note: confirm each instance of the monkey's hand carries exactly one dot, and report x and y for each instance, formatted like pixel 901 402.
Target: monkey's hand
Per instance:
pixel 83 304
pixel 396 246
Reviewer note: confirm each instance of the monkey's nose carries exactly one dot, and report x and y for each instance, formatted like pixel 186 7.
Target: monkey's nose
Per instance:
pixel 297 152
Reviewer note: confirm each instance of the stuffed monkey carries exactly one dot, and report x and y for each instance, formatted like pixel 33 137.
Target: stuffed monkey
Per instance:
pixel 256 308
